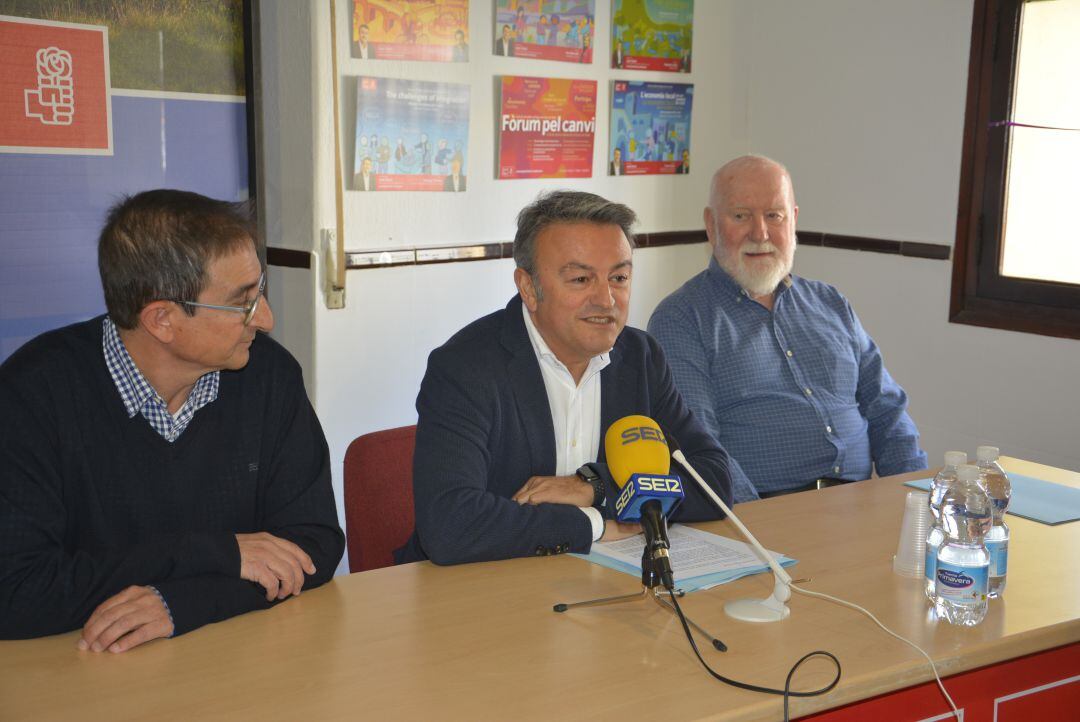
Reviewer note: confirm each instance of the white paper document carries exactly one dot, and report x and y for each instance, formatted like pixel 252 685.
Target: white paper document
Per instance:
pixel 699 558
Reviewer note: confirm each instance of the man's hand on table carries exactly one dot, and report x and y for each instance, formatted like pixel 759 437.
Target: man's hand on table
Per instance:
pixel 125 620
pixel 571 490
pixel 555 490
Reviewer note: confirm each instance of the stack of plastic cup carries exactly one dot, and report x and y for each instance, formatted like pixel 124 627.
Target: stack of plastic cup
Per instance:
pixel 911 549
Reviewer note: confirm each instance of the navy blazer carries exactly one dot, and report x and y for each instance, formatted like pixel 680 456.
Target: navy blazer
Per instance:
pixel 485 427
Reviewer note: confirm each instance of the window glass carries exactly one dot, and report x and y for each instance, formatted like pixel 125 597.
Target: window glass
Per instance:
pixel 1041 234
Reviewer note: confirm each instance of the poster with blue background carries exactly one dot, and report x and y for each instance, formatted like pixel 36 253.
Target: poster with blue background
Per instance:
pixel 411 135
pixel 650 128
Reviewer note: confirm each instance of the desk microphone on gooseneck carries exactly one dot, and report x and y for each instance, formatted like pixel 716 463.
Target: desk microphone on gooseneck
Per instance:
pixel 639 460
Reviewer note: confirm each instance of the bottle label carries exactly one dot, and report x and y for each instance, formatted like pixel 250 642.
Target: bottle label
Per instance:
pixel 961 585
pixel 931 562
pixel 999 557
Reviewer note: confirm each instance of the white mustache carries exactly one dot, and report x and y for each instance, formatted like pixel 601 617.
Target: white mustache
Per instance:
pixel 758 248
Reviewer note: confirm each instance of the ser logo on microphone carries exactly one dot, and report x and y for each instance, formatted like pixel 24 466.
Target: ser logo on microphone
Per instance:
pixel 660 483
pixel 667 489
pixel 642 433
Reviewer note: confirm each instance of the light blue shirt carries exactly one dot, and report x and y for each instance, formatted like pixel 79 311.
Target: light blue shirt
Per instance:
pixel 793 394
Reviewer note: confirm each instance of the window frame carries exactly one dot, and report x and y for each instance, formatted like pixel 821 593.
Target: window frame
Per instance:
pixel 980 295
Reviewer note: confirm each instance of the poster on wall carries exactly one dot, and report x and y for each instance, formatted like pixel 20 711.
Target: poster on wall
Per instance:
pixel 547 127
pixel 92 109
pixel 431 30
pixel 652 34
pixel 546 29
pixel 650 128
pixel 55 89
pixel 411 135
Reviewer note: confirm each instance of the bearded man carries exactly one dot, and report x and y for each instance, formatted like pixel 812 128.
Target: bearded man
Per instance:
pixel 776 366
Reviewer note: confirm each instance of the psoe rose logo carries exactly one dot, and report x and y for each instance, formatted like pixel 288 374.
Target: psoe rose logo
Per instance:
pixel 55 92
pixel 52 102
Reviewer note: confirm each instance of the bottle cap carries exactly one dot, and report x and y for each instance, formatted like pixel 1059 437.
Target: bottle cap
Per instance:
pixel 955 458
pixel 987 453
pixel 967 472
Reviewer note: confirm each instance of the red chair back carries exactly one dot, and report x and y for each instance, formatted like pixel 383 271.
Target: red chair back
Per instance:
pixel 378 496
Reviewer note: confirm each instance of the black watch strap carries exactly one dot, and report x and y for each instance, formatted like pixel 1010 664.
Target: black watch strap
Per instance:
pixel 589 474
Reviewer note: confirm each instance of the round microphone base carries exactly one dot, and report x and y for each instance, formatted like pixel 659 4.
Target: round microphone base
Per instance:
pixel 757 610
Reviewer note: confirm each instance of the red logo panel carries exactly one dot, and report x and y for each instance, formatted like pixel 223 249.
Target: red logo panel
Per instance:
pixel 54 88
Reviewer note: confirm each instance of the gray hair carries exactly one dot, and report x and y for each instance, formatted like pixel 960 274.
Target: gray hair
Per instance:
pixel 565 207
pixel 157 245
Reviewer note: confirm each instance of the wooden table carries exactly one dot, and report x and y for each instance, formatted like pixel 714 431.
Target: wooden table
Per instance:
pixel 481 641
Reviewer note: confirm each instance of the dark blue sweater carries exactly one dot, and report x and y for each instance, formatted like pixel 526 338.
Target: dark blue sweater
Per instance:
pixel 92 501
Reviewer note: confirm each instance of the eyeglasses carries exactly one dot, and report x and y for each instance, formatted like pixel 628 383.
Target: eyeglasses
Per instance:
pixel 249 309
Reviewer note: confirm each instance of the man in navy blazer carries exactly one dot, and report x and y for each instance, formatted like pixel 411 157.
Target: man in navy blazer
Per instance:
pixel 513 408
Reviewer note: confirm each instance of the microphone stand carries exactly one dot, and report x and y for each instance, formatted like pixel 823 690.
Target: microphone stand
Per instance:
pixel 770 609
pixel 650 580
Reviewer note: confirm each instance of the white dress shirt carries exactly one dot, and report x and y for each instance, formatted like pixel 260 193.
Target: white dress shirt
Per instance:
pixel 575 411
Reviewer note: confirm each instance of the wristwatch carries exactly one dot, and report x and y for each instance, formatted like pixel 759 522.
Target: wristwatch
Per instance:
pixel 591 476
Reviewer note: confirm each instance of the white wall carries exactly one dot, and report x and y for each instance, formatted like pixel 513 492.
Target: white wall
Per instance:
pixel 289 100
pixel 487 211
pixel 968 385
pixel 863 101
pixel 363 364
pixel 865 105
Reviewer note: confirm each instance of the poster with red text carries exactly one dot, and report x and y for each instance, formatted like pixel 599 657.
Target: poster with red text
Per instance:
pixel 547 127
pixel 432 30
pixel 54 88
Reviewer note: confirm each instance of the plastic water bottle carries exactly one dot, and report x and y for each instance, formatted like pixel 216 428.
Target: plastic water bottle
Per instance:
pixel 943 479
pixel 996 483
pixel 963 564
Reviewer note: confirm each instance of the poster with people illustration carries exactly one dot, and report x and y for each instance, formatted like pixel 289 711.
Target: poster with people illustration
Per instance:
pixel 545 29
pixel 650 128
pixel 432 30
pixel 411 135
pixel 652 34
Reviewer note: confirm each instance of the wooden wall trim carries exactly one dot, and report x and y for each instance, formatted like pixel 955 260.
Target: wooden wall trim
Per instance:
pixel 287 257
pixel 492 251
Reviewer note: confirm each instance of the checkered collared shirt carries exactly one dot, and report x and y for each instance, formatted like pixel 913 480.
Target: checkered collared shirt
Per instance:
pixel 794 394
pixel 140 397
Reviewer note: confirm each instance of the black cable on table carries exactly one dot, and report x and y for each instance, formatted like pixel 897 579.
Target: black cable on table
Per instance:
pixel 785 692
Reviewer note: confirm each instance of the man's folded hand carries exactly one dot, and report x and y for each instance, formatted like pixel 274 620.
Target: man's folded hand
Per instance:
pixel 555 490
pixel 276 564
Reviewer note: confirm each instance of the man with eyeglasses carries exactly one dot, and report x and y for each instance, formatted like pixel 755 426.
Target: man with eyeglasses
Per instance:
pixel 161 467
